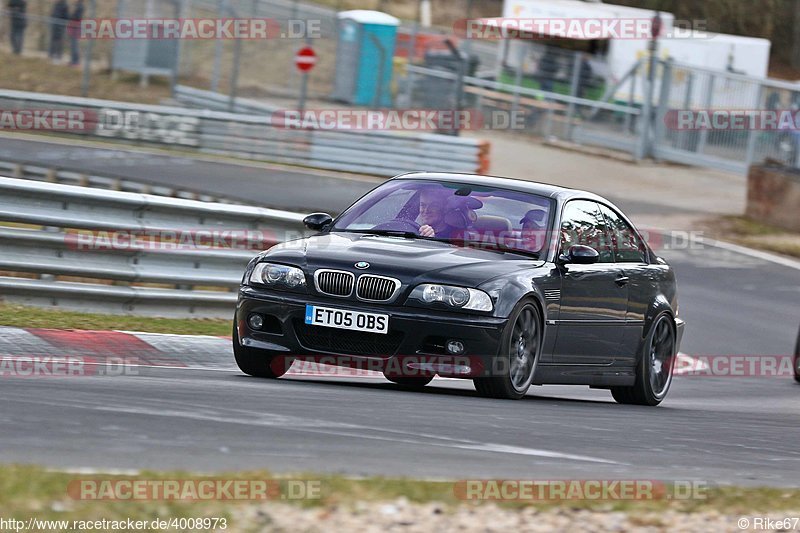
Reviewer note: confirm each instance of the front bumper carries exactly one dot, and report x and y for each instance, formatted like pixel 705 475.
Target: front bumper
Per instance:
pixel 415 344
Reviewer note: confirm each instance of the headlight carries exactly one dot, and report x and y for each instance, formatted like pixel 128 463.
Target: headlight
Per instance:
pixel 456 297
pixel 278 276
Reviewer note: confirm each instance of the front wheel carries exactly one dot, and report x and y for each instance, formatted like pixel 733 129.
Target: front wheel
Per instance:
pixel 797 359
pixel 654 371
pixel 258 363
pixel 519 355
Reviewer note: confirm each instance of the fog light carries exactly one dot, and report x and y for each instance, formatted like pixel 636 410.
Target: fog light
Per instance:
pixel 255 321
pixel 455 347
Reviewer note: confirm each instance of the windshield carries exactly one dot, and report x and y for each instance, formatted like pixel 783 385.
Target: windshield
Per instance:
pixel 462 214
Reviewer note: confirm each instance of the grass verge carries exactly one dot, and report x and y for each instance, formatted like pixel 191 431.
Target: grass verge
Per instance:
pixel 34 491
pixel 753 234
pixel 54 318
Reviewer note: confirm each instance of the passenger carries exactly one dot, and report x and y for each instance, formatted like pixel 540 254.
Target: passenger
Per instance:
pixel 534 229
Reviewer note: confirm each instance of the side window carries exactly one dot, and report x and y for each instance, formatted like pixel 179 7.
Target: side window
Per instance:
pixel 583 224
pixel 628 247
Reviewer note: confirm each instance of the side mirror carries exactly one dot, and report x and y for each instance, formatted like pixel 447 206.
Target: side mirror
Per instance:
pixel 317 221
pixel 579 255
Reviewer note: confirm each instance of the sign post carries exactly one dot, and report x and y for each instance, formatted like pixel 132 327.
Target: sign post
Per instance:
pixel 304 60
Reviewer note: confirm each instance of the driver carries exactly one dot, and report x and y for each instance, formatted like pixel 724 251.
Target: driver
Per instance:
pixel 431 213
pixel 443 215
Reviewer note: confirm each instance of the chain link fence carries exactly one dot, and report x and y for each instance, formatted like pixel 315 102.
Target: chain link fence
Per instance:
pixel 552 90
pixel 699 119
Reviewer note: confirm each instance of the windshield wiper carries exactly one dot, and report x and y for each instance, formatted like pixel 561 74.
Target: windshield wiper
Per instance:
pixel 507 250
pixel 532 255
pixel 387 233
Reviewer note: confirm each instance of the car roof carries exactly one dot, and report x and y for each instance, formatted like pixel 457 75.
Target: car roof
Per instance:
pixel 542 189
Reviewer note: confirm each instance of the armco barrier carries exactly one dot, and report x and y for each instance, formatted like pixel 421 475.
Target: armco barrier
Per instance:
pixel 150 280
pixel 67 174
pixel 253 136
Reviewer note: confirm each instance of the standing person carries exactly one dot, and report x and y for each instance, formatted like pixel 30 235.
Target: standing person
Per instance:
pixel 59 17
pixel 74 32
pixel 17 9
pixel 585 76
pixel 547 70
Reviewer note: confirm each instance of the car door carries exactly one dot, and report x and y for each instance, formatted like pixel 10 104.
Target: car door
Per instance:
pixel 594 301
pixel 631 256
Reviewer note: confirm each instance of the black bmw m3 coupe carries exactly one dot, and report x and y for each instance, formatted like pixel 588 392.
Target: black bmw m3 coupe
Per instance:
pixel 505 282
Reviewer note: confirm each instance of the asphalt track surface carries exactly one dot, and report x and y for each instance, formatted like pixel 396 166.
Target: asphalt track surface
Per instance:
pixel 738 430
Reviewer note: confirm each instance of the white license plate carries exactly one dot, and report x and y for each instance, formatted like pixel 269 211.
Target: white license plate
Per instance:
pixel 343 319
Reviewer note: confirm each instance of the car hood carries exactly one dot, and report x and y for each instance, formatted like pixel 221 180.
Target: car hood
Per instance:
pixel 410 260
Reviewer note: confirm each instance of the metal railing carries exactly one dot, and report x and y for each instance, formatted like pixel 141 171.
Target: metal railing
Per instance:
pixel 708 93
pixel 67 175
pixel 122 252
pixel 546 114
pixel 254 136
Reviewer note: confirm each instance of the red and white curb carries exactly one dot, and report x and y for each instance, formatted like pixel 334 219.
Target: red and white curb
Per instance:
pixel 190 352
pixel 138 349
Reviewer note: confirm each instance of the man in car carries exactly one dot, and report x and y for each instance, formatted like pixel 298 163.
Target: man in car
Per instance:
pixel 445 216
pixel 534 227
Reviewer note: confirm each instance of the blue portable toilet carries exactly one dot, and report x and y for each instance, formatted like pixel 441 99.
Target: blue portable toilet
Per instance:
pixel 364 57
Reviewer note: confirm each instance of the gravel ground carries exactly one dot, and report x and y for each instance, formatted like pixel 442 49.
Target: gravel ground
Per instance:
pixel 401 515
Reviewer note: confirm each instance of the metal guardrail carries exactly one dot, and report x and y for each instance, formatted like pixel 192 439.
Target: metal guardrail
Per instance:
pixel 78 237
pixel 254 136
pixel 67 175
pixel 201 99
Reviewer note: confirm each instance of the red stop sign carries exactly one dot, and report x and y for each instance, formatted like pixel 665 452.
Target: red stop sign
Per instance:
pixel 305 59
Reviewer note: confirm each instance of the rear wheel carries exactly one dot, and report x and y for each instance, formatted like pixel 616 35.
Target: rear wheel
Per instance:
pixel 258 363
pixel 654 371
pixel 519 355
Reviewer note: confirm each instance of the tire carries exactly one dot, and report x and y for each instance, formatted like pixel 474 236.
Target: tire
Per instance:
pixel 258 363
pixel 655 366
pixel 797 359
pixel 523 334
pixel 410 383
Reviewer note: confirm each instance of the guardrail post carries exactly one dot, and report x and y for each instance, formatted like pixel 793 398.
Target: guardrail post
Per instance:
pixel 518 78
pixel 687 102
pixel 573 91
pixel 663 106
pixel 548 125
pixel 753 134
pixel 701 145
pixel 631 96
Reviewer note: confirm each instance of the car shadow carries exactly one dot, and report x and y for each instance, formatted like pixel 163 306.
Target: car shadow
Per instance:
pixel 434 389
